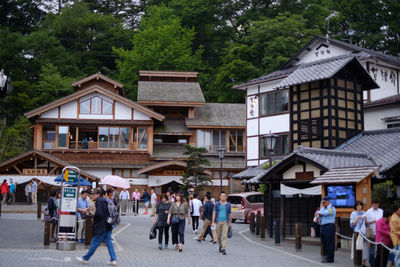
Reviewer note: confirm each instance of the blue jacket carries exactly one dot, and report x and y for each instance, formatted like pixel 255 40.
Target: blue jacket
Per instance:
pixel 100 224
pixel 228 210
pixel 208 208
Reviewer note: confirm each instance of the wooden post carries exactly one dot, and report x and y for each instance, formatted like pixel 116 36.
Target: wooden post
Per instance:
pixel 39 210
pixel 298 236
pixel 46 240
pixel 262 230
pixel 88 230
pixel 258 223
pixel 252 222
pixel 357 253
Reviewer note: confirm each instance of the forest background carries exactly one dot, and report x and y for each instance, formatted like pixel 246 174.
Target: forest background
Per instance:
pixel 45 45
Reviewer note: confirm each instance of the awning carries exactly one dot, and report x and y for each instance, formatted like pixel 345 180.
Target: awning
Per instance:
pixel 21 179
pixel 313 191
pixel 162 180
pixel 345 175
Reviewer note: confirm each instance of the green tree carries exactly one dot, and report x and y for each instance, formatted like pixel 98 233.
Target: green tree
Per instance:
pixel 16 139
pixel 161 43
pixel 194 175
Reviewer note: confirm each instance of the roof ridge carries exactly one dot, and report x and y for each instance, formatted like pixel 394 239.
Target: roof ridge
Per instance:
pixel 331 151
pixel 347 55
pixel 381 131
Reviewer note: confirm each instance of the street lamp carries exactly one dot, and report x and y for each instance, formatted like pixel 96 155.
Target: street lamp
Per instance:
pixel 221 153
pixel 269 143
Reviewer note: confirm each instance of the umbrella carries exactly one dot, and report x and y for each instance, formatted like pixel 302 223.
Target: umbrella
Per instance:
pixel 82 182
pixel 115 181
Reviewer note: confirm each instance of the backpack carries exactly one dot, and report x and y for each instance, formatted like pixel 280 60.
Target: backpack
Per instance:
pixel 47 210
pixel 114 217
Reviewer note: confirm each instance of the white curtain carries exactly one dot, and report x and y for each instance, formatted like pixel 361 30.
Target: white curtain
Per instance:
pixel 314 191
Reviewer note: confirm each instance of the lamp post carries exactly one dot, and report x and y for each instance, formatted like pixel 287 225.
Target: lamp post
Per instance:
pixel 221 153
pixel 269 143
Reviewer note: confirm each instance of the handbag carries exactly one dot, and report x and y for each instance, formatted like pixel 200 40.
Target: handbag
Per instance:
pixel 359 243
pixel 369 233
pixel 174 220
pixel 230 232
pixel 153 232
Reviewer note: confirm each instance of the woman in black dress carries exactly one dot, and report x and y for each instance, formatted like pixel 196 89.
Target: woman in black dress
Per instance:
pixel 160 220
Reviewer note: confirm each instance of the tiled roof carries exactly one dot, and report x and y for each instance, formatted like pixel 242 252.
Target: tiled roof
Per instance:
pixel 249 172
pixel 279 74
pixel 228 163
pixel 172 126
pixel 383 146
pixel 383 101
pixel 345 175
pixel 170 92
pixel 219 114
pixel 168 151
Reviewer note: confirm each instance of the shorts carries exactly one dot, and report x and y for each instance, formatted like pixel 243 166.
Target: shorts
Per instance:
pixel 146 204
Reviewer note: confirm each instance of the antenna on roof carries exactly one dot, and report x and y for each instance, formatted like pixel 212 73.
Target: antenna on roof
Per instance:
pixel 333 14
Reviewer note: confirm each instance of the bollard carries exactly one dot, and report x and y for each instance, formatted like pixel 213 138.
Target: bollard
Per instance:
pixel 39 210
pixel 298 236
pixel 357 253
pixel 252 222
pixel 262 230
pixel 46 239
pixel 277 230
pixel 258 223
pixel 88 230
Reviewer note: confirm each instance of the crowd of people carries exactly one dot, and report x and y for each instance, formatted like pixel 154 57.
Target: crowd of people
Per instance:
pixel 377 231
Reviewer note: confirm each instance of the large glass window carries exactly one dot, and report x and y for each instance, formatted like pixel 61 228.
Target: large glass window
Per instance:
pixel 49 139
pixel 204 139
pixel 62 136
pixel 85 107
pixel 124 137
pixel 113 137
pixel 219 139
pixel 274 102
pixel 96 105
pixel 103 137
pixel 236 141
pixel 142 138
pixel 281 146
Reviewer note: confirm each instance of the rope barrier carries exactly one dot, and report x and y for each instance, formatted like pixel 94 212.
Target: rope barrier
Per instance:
pixel 343 236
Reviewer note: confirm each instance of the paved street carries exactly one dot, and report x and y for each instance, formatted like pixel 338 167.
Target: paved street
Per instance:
pixel 22 235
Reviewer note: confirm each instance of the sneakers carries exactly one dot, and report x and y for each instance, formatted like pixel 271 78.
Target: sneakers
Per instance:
pixel 198 240
pixel 81 260
pixel 81 241
pixel 220 249
pixel 213 242
pixel 223 252
pixel 160 246
pixel 166 246
pixel 112 263
pixel 195 232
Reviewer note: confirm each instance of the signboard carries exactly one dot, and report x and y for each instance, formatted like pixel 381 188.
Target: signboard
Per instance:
pixel 34 172
pixel 70 176
pixel 69 199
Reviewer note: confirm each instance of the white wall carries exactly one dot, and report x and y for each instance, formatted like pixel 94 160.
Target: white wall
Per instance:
pixel 252 148
pixel 275 124
pixel 99 172
pixel 291 173
pixel 69 110
pixel 95 117
pixel 373 117
pixel 387 80
pixel 138 115
pixel 321 53
pixel 252 127
pixel 51 114
pixel 251 90
pixel 122 112
pixel 269 86
pixel 252 163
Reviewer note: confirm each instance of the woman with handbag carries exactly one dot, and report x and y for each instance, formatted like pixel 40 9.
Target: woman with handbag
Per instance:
pixel 160 220
pixel 357 223
pixel 178 212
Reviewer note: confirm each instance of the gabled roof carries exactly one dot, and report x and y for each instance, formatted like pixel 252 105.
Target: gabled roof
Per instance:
pixel 218 115
pixel 162 164
pixel 98 76
pixel 28 155
pixel 353 48
pixel 345 175
pixel 96 88
pixel 181 93
pixel 249 172
pixel 326 69
pixel 394 99
pixel 276 75
pixel 383 146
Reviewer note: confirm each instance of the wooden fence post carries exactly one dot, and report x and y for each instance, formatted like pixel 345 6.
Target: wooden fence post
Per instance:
pixel 298 236
pixel 46 239
pixel 88 230
pixel 258 223
pixel 252 222
pixel 262 230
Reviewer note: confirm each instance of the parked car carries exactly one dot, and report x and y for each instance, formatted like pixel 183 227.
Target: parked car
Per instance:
pixel 255 213
pixel 243 203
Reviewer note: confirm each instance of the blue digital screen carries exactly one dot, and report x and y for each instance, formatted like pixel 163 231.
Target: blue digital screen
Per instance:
pixel 341 195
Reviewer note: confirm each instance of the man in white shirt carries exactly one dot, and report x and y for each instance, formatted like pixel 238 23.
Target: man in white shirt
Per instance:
pixel 153 202
pixel 123 197
pixel 373 215
pixel 195 206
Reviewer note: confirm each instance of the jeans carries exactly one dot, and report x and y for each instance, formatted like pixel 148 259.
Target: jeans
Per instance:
pixel 163 230
pixel 195 221
pixel 178 232
pixel 371 254
pixel 96 241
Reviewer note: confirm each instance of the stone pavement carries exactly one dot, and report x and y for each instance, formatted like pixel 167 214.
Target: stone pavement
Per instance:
pixel 22 236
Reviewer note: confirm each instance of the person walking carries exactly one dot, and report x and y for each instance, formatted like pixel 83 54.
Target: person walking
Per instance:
pixel 28 193
pixel 327 214
pixel 146 200
pixel 178 211
pixel 13 189
pixel 208 209
pixel 83 210
pixel 395 233
pixel 136 199
pixel 101 230
pixel 123 198
pixel 372 216
pixel 195 210
pixel 153 202
pixel 222 216
pixel 382 236
pixel 4 191
pixel 358 224
pixel 160 220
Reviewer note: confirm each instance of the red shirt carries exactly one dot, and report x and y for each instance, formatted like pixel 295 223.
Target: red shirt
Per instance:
pixel 383 231
pixel 4 188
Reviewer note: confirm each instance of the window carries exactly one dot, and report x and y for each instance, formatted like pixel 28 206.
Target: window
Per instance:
pixel 219 139
pixel 96 105
pixel 126 173
pixel 62 136
pixel 281 146
pixel 259 198
pixel 141 138
pixel 113 137
pixel 214 139
pixel 49 139
pixel 204 139
pixel 236 141
pixel 394 124
pixel 275 102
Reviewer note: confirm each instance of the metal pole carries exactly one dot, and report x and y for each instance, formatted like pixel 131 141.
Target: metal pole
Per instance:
pixel 270 200
pixel 221 178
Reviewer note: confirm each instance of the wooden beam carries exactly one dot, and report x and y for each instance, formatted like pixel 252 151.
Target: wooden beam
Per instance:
pixel 53 170
pixel 35 162
pixel 18 170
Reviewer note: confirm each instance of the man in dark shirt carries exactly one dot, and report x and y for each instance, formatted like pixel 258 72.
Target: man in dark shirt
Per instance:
pixel 208 208
pixel 101 230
